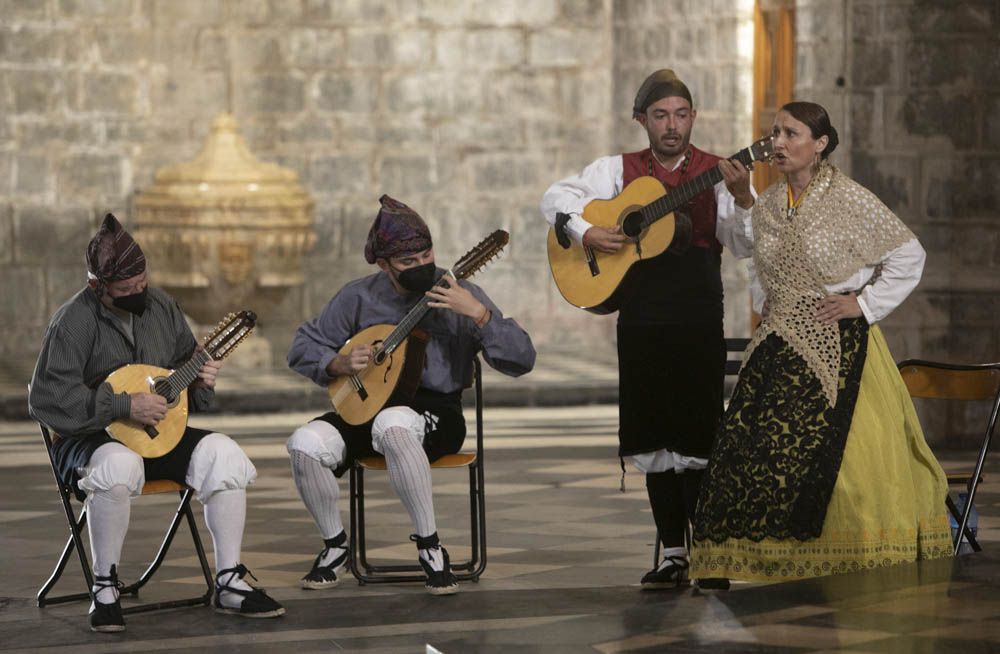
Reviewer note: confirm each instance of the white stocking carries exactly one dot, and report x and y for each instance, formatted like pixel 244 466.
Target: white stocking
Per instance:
pixel 319 492
pixel 108 513
pixel 410 477
pixel 225 515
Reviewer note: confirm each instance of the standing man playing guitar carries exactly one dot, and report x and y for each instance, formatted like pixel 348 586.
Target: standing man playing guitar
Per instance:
pixel 671 349
pixel 115 321
pixel 424 428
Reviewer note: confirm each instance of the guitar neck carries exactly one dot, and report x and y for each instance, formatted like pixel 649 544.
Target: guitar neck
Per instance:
pixel 181 378
pixel 410 320
pixel 463 268
pixel 406 325
pixel 676 198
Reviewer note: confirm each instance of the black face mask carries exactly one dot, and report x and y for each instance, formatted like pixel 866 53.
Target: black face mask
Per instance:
pixel 135 303
pixel 418 279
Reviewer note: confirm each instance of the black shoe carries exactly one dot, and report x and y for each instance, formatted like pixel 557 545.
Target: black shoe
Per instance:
pixel 326 576
pixel 712 583
pixel 107 618
pixel 439 582
pixel 255 604
pixel 671 573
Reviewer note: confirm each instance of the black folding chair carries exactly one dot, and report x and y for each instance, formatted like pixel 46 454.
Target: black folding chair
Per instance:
pixel 964 382
pixel 369 573
pixel 75 541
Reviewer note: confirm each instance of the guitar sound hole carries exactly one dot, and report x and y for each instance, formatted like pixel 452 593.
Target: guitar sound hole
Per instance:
pixel 162 387
pixel 632 225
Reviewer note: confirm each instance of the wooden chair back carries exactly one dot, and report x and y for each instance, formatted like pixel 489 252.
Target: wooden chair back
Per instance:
pixel 967 382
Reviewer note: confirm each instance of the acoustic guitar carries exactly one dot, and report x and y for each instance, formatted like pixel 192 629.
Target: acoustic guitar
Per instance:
pixel 393 373
pixel 152 442
pixel 598 282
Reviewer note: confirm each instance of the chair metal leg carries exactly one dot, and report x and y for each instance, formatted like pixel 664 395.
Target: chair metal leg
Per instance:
pixel 183 512
pixel 362 569
pixel 365 571
pixel 368 573
pixel 361 540
pixel 199 548
pixel 470 565
pixel 73 542
pixel 953 509
pixel 479 529
pixel 974 481
pixel 76 542
pixel 358 562
pixel 480 471
pixel 168 538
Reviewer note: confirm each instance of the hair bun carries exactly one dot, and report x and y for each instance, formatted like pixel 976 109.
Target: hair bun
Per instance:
pixel 834 141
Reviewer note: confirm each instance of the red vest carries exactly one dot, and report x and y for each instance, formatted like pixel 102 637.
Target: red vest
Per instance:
pixel 701 208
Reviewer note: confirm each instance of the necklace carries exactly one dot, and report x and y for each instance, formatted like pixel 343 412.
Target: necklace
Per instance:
pixel 684 165
pixel 793 204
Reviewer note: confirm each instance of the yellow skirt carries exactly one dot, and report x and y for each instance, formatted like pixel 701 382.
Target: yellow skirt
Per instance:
pixel 887 505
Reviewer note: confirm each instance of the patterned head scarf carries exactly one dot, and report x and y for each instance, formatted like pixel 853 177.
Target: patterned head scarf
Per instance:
pixel 113 255
pixel 661 84
pixel 397 230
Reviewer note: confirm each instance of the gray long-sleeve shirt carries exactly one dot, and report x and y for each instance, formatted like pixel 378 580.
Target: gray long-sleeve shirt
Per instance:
pixel 453 339
pixel 85 342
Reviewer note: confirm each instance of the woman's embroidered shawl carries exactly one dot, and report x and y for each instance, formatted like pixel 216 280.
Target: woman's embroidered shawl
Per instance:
pixel 840 228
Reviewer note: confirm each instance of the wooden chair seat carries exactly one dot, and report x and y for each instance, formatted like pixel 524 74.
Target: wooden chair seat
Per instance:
pixel 459 460
pixel 154 486
pixel 956 478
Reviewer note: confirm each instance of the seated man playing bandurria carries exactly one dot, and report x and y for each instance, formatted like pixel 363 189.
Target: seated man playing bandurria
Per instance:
pixel 116 320
pixel 463 322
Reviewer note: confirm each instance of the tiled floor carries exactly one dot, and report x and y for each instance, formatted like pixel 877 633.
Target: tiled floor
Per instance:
pixel 566 550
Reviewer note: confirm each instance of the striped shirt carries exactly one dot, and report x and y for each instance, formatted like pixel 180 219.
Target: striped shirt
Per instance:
pixel 85 342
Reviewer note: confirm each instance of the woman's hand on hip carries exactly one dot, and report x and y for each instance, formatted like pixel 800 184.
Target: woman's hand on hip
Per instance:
pixel 837 307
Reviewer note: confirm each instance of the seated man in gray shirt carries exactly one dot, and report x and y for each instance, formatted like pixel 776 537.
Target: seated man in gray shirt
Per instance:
pixel 117 320
pixel 463 321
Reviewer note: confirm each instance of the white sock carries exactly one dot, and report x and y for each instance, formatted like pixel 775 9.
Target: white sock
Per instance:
pixel 108 514
pixel 410 477
pixel 225 516
pixel 434 557
pixel 319 492
pixel 332 552
pixel 677 552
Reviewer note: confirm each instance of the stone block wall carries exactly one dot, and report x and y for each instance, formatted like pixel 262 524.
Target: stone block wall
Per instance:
pixel 466 110
pixel 920 107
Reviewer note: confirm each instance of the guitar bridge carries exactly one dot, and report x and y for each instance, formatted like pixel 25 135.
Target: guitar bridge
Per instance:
pixel 595 269
pixel 359 387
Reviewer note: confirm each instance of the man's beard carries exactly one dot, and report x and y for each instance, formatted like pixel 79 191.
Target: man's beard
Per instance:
pixel 669 151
